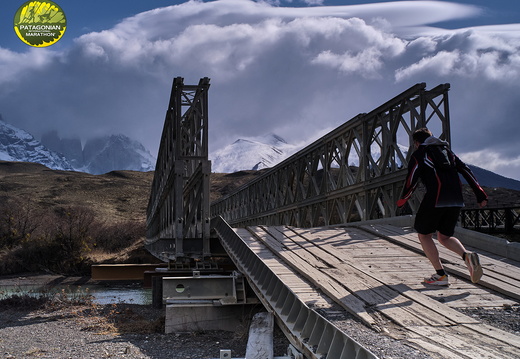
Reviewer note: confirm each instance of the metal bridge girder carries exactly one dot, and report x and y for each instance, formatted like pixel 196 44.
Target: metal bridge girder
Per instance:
pixel 178 208
pixel 322 181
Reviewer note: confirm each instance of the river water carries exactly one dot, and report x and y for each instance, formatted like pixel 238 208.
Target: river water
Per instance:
pixel 101 294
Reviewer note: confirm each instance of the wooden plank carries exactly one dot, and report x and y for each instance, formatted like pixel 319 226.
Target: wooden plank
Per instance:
pixel 388 281
pixel 396 307
pixel 488 282
pixel 368 289
pixel 294 241
pixel 500 335
pixel 409 277
pixel 305 291
pixel 460 296
pixel 504 266
pixel 494 279
pixel 433 348
pixel 329 263
pixel 348 267
pixel 476 299
pixel 434 305
pixel 465 341
pixel 313 275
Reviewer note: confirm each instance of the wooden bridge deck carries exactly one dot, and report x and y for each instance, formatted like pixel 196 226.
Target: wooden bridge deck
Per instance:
pixel 375 273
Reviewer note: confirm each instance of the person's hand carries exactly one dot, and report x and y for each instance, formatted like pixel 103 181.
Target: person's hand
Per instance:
pixel 483 203
pixel 401 203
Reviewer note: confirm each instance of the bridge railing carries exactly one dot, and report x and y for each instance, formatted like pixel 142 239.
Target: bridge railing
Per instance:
pixel 491 220
pixel 353 173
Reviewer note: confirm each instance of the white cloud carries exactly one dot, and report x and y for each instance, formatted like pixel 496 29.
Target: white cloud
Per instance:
pixel 14 67
pixel 495 162
pixel 466 54
pixel 291 71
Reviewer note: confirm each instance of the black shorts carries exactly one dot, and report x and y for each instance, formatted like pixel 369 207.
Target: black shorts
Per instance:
pixel 442 219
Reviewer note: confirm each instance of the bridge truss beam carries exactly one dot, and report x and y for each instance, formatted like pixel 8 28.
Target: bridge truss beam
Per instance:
pixel 353 173
pixel 178 210
pixel 492 220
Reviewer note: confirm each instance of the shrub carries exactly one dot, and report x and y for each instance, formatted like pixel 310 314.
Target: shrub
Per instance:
pixel 58 241
pixel 18 221
pixel 117 236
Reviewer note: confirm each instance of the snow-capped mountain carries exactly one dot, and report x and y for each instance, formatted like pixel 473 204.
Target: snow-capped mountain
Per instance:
pixel 256 153
pixel 100 155
pixel 19 145
pixel 116 152
pixel 267 151
pixel 253 153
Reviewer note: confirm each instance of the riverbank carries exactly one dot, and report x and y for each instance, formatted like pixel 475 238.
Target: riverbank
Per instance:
pixel 57 327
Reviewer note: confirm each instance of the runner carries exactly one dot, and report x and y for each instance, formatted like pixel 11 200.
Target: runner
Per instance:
pixel 438 169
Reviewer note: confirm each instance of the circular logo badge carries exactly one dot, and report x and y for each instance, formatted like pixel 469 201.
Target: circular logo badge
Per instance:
pixel 40 23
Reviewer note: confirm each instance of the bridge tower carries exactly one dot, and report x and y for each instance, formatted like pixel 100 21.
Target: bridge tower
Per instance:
pixel 178 210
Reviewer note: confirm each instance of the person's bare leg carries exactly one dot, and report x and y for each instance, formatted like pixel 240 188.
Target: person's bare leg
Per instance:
pixel 452 243
pixel 473 263
pixel 430 249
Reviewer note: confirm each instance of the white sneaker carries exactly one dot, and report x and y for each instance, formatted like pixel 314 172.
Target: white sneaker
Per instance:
pixel 436 279
pixel 474 267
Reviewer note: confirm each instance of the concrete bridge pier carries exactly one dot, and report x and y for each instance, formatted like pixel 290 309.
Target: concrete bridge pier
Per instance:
pixel 207 302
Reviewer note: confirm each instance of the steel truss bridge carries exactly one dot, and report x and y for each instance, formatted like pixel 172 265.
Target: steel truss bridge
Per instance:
pixel 178 215
pixel 351 175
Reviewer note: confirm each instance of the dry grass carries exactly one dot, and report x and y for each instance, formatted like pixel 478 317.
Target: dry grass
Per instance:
pixel 222 184
pixel 115 196
pixel 116 201
pixel 120 318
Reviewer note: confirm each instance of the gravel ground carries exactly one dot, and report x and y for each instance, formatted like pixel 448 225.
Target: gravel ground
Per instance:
pixel 135 331
pixel 107 331
pixel 117 331
pixel 57 329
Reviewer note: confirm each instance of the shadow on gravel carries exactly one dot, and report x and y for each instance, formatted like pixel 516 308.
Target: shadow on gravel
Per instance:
pixel 132 329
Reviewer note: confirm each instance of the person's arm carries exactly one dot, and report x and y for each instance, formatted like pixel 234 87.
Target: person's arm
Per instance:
pixel 468 175
pixel 412 179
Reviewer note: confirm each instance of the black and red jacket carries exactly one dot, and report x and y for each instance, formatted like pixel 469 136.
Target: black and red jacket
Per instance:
pixel 443 186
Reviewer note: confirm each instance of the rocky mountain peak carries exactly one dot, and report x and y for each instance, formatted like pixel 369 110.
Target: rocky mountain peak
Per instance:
pixel 99 155
pixel 19 145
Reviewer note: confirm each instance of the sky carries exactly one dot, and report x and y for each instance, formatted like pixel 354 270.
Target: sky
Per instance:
pixel 294 68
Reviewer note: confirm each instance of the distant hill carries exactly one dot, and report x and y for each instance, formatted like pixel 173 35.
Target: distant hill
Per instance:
pixel 490 179
pixel 114 196
pixel 123 195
